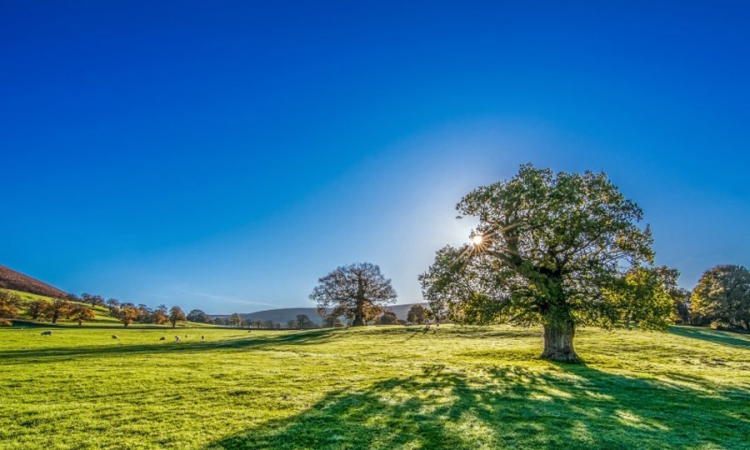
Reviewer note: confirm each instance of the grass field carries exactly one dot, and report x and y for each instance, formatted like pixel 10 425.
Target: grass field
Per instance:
pixel 373 388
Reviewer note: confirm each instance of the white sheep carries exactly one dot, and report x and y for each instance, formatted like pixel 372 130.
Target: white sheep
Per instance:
pixel 162 338
pixel 203 337
pixel 114 336
pixel 47 333
pixel 177 339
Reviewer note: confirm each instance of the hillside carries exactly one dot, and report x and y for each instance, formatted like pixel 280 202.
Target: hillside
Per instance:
pixel 283 315
pixel 10 279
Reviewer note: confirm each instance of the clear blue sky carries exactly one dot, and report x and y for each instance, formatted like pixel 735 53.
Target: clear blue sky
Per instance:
pixel 224 155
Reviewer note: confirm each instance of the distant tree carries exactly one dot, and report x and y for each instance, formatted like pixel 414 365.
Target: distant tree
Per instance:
pixel 57 308
pixel 357 291
pixel 72 298
pixel 176 315
pixel 145 313
pixel 113 303
pixel 258 323
pixel 35 309
pixel 9 302
pixel 127 315
pixel 159 316
pixel 303 321
pixel 198 316
pixel 93 300
pixel 270 324
pixel 292 324
pixel 723 295
pixel 549 249
pixel 644 296
pixel 330 322
pixel 218 321
pixel 235 320
pixel 681 305
pixel 417 314
pixel 81 314
pixel 388 318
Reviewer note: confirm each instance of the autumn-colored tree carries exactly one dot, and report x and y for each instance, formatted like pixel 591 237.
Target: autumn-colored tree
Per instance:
pixel 81 314
pixel 159 316
pixel 57 308
pixel 9 302
pixel 176 315
pixel 35 309
pixel 128 315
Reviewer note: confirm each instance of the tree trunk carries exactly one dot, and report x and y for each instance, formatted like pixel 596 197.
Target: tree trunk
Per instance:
pixel 358 320
pixel 558 342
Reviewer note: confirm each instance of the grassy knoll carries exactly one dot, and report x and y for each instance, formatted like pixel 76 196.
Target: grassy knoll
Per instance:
pixel 379 388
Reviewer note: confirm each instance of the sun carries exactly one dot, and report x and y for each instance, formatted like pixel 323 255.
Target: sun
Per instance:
pixel 477 240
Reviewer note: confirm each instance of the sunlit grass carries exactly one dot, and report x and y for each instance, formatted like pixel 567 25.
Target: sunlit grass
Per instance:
pixel 390 387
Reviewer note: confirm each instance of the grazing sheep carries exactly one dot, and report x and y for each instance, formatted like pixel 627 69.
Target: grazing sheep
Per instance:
pixel 114 336
pixel 177 339
pixel 162 338
pixel 249 331
pixel 187 336
pixel 203 337
pixel 47 333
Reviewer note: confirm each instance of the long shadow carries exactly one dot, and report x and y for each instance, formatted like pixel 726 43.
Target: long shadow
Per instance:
pixel 563 407
pixel 159 347
pixel 717 337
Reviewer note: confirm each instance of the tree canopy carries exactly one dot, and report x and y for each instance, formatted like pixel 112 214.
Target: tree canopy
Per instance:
pixel 357 291
pixel 723 295
pixel 550 249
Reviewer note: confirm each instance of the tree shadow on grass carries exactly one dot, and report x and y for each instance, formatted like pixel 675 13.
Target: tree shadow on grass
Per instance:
pixel 160 347
pixel 510 407
pixel 718 337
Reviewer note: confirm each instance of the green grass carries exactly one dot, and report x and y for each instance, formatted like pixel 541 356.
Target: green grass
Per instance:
pixel 378 388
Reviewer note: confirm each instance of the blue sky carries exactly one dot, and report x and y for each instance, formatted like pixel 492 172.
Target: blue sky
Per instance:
pixel 224 155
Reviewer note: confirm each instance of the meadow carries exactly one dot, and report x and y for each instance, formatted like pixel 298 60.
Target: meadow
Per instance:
pixel 371 388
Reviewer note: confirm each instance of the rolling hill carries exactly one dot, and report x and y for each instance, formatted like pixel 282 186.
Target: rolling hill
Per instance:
pixel 16 281
pixel 285 314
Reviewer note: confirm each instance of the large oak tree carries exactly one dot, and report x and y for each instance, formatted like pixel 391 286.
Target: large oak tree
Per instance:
pixel 549 249
pixel 357 291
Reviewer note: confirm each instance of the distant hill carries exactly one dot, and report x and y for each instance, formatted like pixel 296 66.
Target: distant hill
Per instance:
pixel 284 315
pixel 10 279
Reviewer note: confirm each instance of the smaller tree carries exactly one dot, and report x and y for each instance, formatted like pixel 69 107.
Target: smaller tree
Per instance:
pixel 57 308
pixel 198 316
pixel 357 291
pixel 417 314
pixel 113 303
pixel 127 315
pixel 270 324
pixel 159 316
pixel 176 315
pixel 292 324
pixel 388 318
pixel 723 294
pixel 303 321
pixel 81 314
pixel 9 302
pixel 36 308
pixel 235 320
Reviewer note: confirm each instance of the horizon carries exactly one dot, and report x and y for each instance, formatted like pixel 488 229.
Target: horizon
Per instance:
pixel 224 158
